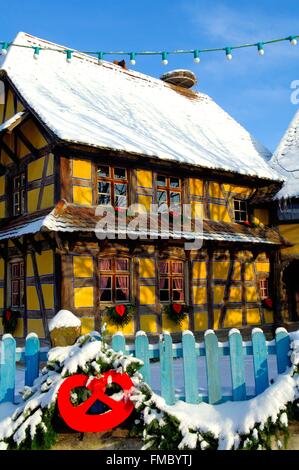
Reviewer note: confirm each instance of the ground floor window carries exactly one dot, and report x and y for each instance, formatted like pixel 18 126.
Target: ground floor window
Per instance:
pixel 114 279
pixel 17 283
pixel 264 288
pixel 171 284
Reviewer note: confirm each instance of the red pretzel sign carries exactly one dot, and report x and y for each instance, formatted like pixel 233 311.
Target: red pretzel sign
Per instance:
pixel 76 417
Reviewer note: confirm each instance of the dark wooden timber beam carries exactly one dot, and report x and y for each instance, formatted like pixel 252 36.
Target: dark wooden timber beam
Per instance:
pixel 40 294
pixel 20 246
pixel 25 141
pixel 9 152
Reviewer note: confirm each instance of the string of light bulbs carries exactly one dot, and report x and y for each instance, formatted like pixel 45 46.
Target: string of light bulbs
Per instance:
pixel 196 53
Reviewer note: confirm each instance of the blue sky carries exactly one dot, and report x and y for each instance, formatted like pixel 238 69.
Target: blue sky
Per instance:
pixel 254 90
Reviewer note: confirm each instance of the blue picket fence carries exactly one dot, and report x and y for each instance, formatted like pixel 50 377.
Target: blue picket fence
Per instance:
pixel 166 352
pixel 30 356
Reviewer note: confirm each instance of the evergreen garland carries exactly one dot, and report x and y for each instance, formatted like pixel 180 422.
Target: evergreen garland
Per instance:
pixel 9 320
pixel 176 312
pixel 120 315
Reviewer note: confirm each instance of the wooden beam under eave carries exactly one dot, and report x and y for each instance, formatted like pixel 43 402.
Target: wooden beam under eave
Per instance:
pixel 9 152
pixel 25 141
pixel 20 246
pixel 4 252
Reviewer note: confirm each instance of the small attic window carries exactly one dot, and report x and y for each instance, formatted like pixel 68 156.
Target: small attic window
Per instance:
pixel 240 210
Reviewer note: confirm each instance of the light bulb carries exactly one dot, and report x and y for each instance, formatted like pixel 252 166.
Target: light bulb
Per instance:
pixel 164 58
pixel 293 41
pixel 260 48
pixel 228 52
pixel 4 49
pixel 196 58
pixel 69 56
pixel 132 58
pixel 100 57
pixel 36 53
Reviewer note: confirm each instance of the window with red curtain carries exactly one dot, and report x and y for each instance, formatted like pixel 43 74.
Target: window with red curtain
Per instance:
pixel 114 279
pixel 171 284
pixel 17 283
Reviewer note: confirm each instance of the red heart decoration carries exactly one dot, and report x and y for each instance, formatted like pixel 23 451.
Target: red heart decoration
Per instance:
pixel 76 417
pixel 8 315
pixel 120 310
pixel 177 308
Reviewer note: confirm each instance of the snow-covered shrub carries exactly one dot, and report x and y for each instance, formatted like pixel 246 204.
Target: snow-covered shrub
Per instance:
pixel 32 425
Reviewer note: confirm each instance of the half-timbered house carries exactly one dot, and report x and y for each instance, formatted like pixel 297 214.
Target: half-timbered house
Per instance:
pixel 81 134
pixel 285 214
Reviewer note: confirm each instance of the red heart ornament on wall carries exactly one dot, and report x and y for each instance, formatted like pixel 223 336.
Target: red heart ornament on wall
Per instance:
pixel 120 310
pixel 177 308
pixel 76 417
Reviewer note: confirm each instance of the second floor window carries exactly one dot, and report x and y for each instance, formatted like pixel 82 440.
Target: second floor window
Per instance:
pixel 112 186
pixel 169 192
pixel 114 279
pixel 17 283
pixel 240 210
pixel 18 195
pixel 171 286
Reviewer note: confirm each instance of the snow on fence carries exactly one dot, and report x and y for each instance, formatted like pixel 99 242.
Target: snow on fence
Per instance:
pixel 166 352
pixel 212 351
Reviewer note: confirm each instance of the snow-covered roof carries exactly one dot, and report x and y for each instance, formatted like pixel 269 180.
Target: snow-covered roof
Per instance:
pixel 286 160
pixel 108 107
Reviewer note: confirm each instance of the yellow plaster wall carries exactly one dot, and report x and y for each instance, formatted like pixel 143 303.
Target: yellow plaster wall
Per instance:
pixel 48 196
pixel 291 233
pixel 83 266
pixel 144 178
pixel 82 169
pixel 261 216
pixel 10 108
pixel 199 295
pixel 145 200
pixel 2 185
pixel 82 195
pixel 253 316
pixel 112 329
pixel 31 131
pixel 148 323
pixel 199 270
pixel 196 187
pixel 233 318
pixel 87 325
pixel 171 326
pixel 147 295
pixel 36 326
pixel 2 209
pixel 200 321
pixel 147 267
pixel 35 169
pixel 219 213
pixel 83 297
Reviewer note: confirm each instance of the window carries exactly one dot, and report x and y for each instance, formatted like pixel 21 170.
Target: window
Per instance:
pixel 264 288
pixel 169 192
pixel 112 186
pixel 114 280
pixel 171 281
pixel 18 195
pixel 241 210
pixel 17 283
